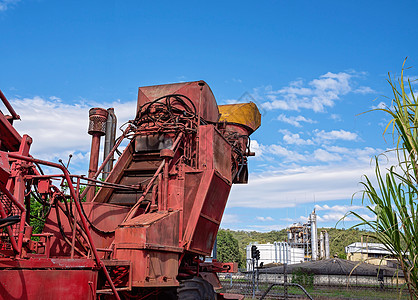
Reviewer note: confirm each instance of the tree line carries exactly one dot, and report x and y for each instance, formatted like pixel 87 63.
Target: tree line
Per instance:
pixel 232 244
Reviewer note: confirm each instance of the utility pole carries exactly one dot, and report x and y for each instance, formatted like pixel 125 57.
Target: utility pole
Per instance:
pixel 255 256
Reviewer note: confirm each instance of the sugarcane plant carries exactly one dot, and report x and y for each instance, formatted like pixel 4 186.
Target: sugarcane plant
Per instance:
pixel 392 195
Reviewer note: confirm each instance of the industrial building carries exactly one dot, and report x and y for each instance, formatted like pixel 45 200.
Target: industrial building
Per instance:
pixel 372 253
pixel 302 245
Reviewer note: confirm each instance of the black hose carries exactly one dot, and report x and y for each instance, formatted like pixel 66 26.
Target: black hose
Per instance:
pixel 94 226
pixel 242 162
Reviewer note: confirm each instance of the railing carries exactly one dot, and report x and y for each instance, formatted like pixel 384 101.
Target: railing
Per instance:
pixel 309 286
pixel 74 196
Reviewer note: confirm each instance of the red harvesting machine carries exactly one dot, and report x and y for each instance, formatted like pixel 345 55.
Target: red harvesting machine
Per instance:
pixel 144 229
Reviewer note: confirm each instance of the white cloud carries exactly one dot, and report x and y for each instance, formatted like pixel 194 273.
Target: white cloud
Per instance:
pixel 6 4
pixel 325 156
pixel 231 101
pixel 334 214
pixel 289 155
pixel 326 153
pixel 335 135
pixel 338 208
pixel 265 219
pixel 338 212
pixel 230 219
pixel 317 95
pixel 259 149
pixel 364 90
pixel 412 79
pixel 295 139
pixel 58 129
pixel 381 105
pixel 320 136
pixel 264 228
pixel 335 117
pixel 290 186
pixel 365 154
pixel 335 217
pixel 294 120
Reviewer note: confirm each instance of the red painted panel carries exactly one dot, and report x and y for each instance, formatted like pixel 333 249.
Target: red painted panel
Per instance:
pixel 209 107
pixel 104 216
pixel 48 263
pixel 214 151
pixel 27 284
pixel 150 242
pixel 211 215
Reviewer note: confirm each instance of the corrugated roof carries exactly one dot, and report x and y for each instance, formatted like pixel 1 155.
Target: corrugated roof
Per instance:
pixel 335 266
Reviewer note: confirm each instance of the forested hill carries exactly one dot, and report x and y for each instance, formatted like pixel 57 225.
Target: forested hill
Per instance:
pixel 338 238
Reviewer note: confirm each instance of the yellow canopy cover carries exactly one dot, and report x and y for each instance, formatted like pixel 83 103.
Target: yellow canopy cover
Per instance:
pixel 246 114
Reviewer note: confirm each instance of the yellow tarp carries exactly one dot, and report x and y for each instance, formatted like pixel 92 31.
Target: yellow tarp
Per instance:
pixel 242 113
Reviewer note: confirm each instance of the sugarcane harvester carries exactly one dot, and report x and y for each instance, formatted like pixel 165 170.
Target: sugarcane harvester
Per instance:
pixel 142 230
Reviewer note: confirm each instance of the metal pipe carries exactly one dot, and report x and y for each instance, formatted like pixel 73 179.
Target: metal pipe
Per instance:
pixel 109 141
pixel 314 237
pixel 275 252
pixel 21 232
pixel 75 222
pixel 82 177
pixel 78 206
pixel 287 253
pixel 97 128
pixel 94 162
pixel 284 253
pixel 326 245
pixel 286 284
pixel 9 106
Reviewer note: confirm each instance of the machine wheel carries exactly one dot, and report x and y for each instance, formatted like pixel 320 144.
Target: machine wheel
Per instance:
pixel 195 288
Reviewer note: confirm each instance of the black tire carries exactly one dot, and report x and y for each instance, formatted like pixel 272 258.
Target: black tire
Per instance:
pixel 168 294
pixel 195 288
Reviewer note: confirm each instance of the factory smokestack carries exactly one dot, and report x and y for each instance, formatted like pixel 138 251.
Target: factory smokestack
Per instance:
pixel 314 236
pixel 326 245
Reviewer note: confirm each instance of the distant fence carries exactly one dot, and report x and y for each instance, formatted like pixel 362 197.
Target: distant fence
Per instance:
pixel 254 285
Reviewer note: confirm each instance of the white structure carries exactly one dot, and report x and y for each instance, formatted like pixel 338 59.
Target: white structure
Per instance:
pixel 302 245
pixel 279 252
pixel 324 245
pixel 326 241
pixel 306 236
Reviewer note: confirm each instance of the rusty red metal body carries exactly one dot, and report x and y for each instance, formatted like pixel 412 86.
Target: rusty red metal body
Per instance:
pixel 146 229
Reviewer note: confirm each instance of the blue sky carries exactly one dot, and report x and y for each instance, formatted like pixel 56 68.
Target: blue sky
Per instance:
pixel 311 66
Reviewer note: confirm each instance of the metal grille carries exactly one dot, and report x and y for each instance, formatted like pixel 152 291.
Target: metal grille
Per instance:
pixel 97 124
pixel 11 210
